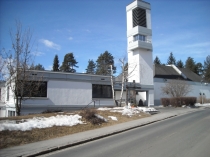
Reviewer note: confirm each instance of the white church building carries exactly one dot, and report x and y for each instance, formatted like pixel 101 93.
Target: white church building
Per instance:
pixel 69 91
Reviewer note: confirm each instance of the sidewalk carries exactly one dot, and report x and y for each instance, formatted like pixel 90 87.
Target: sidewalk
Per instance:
pixel 40 147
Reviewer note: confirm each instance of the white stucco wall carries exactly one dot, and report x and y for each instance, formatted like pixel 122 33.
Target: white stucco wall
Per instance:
pixel 65 93
pixel 196 89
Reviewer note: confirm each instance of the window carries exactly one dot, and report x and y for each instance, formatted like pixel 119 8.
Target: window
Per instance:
pixel 33 89
pixel 11 113
pixel 8 93
pixel 101 91
pixel 139 37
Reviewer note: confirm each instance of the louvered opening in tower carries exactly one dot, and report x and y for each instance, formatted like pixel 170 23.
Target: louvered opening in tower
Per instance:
pixel 139 17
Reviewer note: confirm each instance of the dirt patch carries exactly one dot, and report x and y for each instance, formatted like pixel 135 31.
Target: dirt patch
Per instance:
pixel 15 138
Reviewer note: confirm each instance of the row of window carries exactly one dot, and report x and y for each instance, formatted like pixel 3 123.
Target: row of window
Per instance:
pixel 139 37
pixel 39 89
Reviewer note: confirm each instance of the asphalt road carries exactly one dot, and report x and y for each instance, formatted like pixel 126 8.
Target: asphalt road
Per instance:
pixel 183 136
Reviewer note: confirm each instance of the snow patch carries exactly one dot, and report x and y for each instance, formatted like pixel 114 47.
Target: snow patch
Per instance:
pixel 113 118
pixel 42 122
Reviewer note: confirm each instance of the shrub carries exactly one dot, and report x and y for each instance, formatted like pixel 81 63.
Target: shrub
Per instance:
pixel 178 102
pixel 90 115
pixel 51 111
pixel 165 101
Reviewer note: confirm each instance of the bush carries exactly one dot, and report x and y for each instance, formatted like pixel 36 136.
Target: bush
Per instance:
pixel 165 101
pixel 51 111
pixel 178 102
pixel 90 115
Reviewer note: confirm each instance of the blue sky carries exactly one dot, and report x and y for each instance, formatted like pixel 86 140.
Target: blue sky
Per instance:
pixel 89 27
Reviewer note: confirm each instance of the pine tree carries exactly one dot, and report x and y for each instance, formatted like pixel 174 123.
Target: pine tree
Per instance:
pixel 56 63
pixel 91 67
pixel 39 67
pixel 180 64
pixel 190 64
pixel 199 69
pixel 171 59
pixel 157 60
pixel 207 69
pixel 103 64
pixel 69 63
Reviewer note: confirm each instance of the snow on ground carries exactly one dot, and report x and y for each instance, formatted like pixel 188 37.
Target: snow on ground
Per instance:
pixel 113 118
pixel 66 120
pixel 42 122
pixel 198 104
pixel 128 110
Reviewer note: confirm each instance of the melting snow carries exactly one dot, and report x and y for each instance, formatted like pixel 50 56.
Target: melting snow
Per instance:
pixel 42 122
pixel 113 118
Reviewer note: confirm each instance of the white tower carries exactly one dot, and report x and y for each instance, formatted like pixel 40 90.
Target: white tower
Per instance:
pixel 139 38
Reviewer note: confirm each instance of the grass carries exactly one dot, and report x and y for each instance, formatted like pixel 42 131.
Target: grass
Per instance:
pixel 15 138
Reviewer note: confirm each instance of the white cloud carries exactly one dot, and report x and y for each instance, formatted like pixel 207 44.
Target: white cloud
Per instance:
pixel 38 54
pixel 70 38
pixel 204 44
pixel 50 44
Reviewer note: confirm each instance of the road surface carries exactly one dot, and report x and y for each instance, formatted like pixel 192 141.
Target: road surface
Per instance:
pixel 183 136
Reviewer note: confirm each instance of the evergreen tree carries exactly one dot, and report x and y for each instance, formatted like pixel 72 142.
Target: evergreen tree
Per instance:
pixel 171 59
pixel 91 67
pixel 56 63
pixel 180 64
pixel 69 63
pixel 37 67
pixel 199 68
pixel 207 69
pixel 157 60
pixel 103 64
pixel 190 64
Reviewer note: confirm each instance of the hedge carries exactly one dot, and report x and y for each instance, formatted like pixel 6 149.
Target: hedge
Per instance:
pixel 178 102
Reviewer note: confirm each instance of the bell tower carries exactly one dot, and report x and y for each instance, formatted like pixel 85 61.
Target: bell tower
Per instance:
pixel 139 47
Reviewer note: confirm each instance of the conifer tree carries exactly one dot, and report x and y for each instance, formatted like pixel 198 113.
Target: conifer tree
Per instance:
pixel 199 69
pixel 103 64
pixel 69 62
pixel 207 69
pixel 157 60
pixel 39 67
pixel 180 64
pixel 190 64
pixel 91 67
pixel 171 59
pixel 56 63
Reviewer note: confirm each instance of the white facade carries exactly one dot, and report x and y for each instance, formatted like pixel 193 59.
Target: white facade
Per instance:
pixel 196 89
pixel 139 47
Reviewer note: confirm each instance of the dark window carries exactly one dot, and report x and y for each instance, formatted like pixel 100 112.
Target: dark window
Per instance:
pixel 11 113
pixel 33 89
pixel 7 93
pixel 139 17
pixel 101 91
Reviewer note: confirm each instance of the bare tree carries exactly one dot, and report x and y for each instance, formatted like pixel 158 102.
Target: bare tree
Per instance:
pixel 176 88
pixel 125 75
pixel 19 79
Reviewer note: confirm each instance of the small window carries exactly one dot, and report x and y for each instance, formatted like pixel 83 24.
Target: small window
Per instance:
pixel 11 113
pixel 8 93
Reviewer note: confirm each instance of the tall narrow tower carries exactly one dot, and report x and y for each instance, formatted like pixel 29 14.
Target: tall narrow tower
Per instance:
pixel 139 46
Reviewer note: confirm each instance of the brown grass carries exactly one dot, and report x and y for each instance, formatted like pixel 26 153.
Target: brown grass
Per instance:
pixel 15 138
